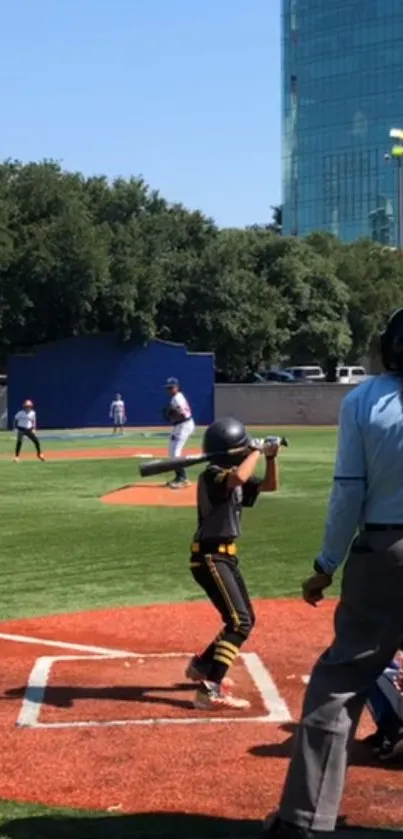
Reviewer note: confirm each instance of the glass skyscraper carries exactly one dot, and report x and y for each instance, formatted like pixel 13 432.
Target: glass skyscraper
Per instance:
pixel 342 93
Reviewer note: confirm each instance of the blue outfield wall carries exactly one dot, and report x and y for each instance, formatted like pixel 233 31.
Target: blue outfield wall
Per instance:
pixel 73 381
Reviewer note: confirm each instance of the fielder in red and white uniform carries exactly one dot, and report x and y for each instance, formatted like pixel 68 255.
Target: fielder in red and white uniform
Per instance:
pixel 179 413
pixel 25 426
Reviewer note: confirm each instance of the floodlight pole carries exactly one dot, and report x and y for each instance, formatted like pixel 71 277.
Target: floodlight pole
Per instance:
pixel 399 203
pixel 397 155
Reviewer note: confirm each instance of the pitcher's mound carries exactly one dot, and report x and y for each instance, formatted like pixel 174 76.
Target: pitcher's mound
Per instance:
pixel 152 495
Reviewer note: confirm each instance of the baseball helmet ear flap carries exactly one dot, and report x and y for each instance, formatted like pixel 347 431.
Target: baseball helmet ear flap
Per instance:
pixel 391 343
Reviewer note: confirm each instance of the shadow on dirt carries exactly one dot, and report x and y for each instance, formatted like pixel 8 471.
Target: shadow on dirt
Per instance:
pixel 152 825
pixel 361 754
pixel 66 696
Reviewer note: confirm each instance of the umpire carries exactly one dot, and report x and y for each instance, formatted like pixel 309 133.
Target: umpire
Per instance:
pixel 367 497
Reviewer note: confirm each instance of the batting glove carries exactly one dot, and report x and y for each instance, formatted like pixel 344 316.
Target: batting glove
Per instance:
pixel 271 446
pixel 272 441
pixel 256 445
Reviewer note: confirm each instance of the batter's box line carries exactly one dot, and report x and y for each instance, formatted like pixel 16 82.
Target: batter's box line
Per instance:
pixel 33 701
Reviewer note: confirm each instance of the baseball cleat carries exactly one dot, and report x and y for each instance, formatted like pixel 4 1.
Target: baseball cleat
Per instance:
pixel 195 673
pixel 16 459
pixel 41 457
pixel 276 828
pixel 178 484
pixel 211 697
pixel 391 750
pixel 374 741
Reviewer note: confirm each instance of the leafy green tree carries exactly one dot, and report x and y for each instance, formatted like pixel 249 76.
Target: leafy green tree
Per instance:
pixel 81 255
pixel 314 311
pixel 59 261
pixel 374 277
pixel 276 224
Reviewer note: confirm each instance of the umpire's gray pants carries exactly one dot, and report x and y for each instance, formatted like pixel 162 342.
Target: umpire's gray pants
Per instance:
pixel 368 631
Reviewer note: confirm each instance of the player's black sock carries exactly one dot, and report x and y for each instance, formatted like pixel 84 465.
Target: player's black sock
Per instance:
pixel 36 444
pixel 205 659
pixel 225 653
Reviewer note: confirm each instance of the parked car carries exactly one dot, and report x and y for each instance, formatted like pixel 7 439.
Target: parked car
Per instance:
pixel 307 373
pixel 264 377
pixel 275 375
pixel 351 375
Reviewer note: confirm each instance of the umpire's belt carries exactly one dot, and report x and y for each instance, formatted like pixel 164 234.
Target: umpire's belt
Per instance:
pixel 379 527
pixel 228 550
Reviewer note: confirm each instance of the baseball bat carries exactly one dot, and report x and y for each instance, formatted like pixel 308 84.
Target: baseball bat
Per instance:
pixel 159 467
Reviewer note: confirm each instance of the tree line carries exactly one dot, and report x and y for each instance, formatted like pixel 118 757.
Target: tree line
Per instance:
pixel 80 255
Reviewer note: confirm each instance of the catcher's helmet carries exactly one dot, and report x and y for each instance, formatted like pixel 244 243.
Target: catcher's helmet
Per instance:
pixel 391 340
pixel 223 435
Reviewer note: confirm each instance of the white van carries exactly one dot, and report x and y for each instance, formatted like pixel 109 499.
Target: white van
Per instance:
pixel 307 372
pixel 351 375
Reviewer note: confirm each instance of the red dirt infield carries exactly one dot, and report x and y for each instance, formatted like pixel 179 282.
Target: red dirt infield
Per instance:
pixel 152 495
pixel 105 715
pixel 101 453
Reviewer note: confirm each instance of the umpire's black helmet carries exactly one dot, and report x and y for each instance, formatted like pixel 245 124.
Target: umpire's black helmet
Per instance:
pixel 223 435
pixel 392 343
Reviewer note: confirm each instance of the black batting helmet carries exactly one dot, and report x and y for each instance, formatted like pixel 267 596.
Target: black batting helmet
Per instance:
pixel 392 343
pixel 223 435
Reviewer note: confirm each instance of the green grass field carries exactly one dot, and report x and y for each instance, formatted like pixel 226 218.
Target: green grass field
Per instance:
pixel 62 550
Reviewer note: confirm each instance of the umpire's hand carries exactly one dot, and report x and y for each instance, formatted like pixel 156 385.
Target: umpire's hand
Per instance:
pixel 312 588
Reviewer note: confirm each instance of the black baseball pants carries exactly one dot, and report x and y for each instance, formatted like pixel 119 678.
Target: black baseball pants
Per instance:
pixel 26 432
pixel 220 578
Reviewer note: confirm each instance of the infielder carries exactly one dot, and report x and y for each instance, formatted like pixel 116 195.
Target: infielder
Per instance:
pixel 179 413
pixel 25 426
pixel 117 412
pixel 224 488
pixel 367 495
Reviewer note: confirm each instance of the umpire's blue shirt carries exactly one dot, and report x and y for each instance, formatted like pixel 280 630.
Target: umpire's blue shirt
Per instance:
pixel 368 478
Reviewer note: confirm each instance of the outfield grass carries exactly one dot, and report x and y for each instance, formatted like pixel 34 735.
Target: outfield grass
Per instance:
pixel 62 550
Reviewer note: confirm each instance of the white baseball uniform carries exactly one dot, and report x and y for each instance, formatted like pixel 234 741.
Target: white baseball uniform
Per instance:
pixel 117 411
pixel 25 420
pixel 183 428
pixel 25 426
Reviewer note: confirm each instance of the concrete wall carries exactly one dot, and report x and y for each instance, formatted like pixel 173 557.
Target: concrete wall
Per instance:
pixel 281 404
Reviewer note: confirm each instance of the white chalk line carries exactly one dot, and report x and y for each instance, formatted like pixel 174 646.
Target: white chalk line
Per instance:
pixel 32 703
pixel 66 645
pixel 155 721
pixel 34 693
pixel 84 648
pixel 276 708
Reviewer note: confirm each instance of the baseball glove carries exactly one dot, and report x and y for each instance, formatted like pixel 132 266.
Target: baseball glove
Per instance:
pixel 170 414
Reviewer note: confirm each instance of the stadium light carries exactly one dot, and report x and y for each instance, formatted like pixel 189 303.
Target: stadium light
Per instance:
pixel 396 154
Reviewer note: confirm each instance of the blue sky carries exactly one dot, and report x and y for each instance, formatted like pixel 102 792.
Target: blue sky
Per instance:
pixel 185 93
